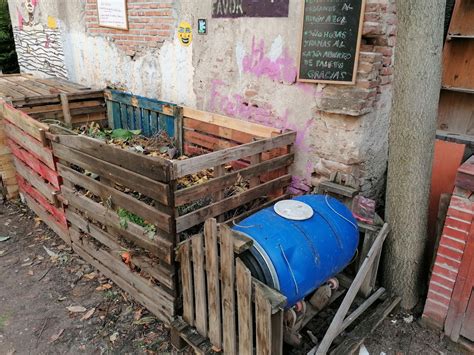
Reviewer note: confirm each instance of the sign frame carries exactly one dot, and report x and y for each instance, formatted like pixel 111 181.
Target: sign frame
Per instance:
pixel 126 25
pixel 356 57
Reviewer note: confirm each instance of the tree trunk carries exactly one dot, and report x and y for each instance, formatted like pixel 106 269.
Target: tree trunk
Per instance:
pixel 417 82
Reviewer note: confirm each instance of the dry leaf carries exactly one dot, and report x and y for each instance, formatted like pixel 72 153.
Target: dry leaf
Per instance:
pixel 90 276
pixel 137 314
pixel 56 336
pixel 30 273
pixel 104 287
pixel 76 309
pixel 89 314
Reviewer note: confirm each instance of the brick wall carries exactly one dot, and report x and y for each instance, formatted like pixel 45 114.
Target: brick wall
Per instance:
pixel 150 23
pixel 450 253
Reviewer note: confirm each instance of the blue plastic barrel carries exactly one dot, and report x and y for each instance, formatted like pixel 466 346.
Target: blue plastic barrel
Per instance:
pixel 296 257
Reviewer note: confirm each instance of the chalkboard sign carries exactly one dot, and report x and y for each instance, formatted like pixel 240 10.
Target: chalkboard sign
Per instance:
pixel 330 41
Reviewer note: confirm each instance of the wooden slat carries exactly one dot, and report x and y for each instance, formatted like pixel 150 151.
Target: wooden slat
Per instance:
pixel 24 122
pixel 162 274
pixel 195 164
pixel 277 333
pixel 57 107
pixel 244 306
pixel 164 314
pixel 219 131
pixel 33 146
pixel 215 209
pixel 154 189
pixel 131 204
pixel 263 319
pixel 213 288
pixel 199 285
pixel 234 123
pixel 50 99
pixel 55 85
pixel 61 231
pixel 139 101
pixel 160 247
pixel 187 283
pixel 31 161
pixel 155 293
pixel 228 295
pixel 57 213
pixel 206 141
pixel 35 180
pixel 152 167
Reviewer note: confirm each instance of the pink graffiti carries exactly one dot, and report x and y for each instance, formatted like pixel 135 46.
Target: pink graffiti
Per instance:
pixel 298 186
pixel 20 19
pixel 282 69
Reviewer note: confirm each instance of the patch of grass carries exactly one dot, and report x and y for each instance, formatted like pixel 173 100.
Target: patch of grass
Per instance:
pixel 111 295
pixel 3 320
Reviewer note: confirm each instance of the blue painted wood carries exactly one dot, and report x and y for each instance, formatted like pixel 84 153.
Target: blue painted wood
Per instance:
pixel 137 112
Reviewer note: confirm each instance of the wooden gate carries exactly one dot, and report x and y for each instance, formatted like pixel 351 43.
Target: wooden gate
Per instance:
pixel 224 307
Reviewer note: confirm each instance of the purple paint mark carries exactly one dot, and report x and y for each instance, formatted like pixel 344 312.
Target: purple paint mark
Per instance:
pixel 236 106
pixel 282 69
pixel 298 186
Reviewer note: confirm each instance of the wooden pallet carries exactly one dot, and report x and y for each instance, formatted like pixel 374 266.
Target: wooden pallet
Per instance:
pixel 30 101
pixel 224 307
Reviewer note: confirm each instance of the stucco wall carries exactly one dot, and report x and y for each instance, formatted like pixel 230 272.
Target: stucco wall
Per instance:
pixel 246 67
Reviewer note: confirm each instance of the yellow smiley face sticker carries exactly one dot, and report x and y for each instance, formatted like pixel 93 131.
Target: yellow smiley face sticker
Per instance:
pixel 185 33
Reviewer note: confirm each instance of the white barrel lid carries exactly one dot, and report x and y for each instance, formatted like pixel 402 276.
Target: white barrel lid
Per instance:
pixel 293 210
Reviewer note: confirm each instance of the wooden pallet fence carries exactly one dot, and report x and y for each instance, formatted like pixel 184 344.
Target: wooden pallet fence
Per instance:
pixel 36 172
pixel 224 307
pixel 32 102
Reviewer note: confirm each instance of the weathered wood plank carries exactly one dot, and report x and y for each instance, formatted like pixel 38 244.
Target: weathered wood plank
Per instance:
pixel 47 218
pixel 46 173
pixel 187 283
pixel 263 320
pixel 195 164
pixel 154 189
pixel 35 180
pixel 199 285
pixel 33 146
pixel 164 314
pixel 215 209
pixel 162 274
pixel 219 131
pixel 131 204
pixel 228 294
pixel 160 247
pixel 213 288
pixel 206 141
pixel 154 168
pixel 24 122
pixel 220 183
pixel 39 198
pixel 244 307
pixel 229 122
pixel 277 333
pixel 353 341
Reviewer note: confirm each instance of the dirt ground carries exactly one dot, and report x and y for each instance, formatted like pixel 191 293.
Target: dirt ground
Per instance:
pixel 51 302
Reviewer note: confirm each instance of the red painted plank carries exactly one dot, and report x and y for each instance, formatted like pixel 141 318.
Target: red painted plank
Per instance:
pixel 57 213
pixel 29 143
pixel 26 157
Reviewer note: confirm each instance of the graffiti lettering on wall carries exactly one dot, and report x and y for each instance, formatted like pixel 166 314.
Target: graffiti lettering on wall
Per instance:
pixel 250 8
pixel 39 47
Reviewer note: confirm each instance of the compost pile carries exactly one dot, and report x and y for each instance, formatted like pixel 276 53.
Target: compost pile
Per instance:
pixel 163 146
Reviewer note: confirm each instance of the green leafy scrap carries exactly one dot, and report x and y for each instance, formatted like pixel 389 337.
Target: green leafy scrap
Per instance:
pixel 127 216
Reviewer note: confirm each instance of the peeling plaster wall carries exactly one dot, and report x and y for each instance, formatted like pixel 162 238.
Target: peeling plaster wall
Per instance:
pixel 246 68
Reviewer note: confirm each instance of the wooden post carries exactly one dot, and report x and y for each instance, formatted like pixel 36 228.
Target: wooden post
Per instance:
pixel 228 295
pixel 199 285
pixel 244 306
pixel 66 111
